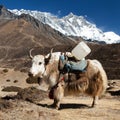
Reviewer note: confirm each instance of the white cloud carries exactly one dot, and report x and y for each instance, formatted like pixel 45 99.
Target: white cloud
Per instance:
pixel 103 28
pixel 59 13
pixel 85 16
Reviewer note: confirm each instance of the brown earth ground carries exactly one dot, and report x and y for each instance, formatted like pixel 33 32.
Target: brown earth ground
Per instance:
pixel 23 101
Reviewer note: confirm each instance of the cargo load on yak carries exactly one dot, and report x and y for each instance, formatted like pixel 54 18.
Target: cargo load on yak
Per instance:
pixel 75 61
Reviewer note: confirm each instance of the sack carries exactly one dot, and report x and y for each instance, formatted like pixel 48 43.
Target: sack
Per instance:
pixel 80 66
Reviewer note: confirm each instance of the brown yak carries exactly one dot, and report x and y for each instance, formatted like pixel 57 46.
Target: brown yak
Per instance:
pixel 92 82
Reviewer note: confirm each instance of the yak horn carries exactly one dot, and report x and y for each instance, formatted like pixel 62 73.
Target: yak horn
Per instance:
pixel 51 51
pixel 50 54
pixel 48 58
pixel 30 53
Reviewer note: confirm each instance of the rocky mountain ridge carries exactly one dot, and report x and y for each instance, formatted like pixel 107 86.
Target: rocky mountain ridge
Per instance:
pixel 18 34
pixel 73 25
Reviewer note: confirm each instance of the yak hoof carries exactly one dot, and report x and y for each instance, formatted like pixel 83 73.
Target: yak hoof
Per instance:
pixel 94 105
pixel 52 105
pixel 57 108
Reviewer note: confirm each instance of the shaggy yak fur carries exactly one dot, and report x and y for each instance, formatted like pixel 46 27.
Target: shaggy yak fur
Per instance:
pixel 92 82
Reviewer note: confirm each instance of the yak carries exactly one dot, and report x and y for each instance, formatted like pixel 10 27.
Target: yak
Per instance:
pixel 92 82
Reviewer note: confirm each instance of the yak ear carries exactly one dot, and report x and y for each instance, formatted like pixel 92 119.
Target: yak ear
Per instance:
pixel 49 57
pixel 30 53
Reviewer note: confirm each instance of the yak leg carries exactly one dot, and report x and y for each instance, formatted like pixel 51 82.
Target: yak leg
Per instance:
pixel 56 102
pixel 95 101
pixel 58 95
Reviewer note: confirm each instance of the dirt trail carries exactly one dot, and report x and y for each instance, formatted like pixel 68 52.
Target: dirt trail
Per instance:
pixel 78 108
pixel 71 109
pixel 32 107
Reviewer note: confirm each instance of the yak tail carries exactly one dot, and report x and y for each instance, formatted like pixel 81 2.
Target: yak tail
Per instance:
pixel 102 75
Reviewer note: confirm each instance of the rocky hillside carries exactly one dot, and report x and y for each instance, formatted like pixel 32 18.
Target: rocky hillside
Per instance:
pixel 21 33
pixel 109 56
pixel 18 34
pixel 73 25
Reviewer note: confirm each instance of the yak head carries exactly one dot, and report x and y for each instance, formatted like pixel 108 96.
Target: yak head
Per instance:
pixel 39 63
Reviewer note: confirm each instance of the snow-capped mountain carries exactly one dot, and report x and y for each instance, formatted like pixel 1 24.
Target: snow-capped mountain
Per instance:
pixel 72 25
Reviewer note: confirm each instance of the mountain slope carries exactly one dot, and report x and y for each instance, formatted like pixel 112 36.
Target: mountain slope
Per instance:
pixel 5 14
pixel 21 33
pixel 109 56
pixel 18 35
pixel 73 25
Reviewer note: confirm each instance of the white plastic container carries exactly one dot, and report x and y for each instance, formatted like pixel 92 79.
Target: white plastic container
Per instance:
pixel 81 50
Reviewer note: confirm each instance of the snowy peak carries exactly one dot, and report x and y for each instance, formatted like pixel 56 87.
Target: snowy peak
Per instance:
pixel 112 35
pixel 72 25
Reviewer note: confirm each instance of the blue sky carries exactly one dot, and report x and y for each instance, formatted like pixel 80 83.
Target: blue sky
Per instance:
pixel 104 13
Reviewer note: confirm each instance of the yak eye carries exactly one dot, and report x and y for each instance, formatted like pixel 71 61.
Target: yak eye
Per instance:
pixel 40 63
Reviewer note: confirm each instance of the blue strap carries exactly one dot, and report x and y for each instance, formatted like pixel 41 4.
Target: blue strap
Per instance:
pixel 62 57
